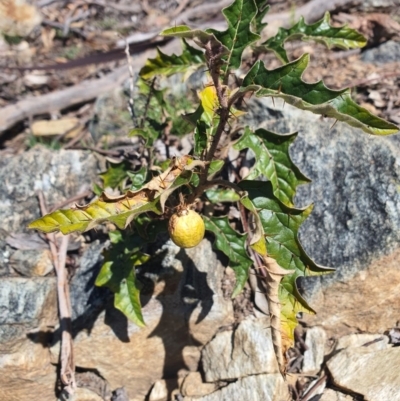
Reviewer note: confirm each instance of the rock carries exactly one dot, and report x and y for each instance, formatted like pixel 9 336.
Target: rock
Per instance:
pixel 374 342
pixel 26 304
pixel 193 386
pixel 84 394
pixel 93 383
pixel 32 262
pixel 191 356
pixel 59 174
pixel 28 308
pixel 314 354
pixel 270 387
pixel 120 394
pixel 387 52
pixel 394 335
pixel 27 372
pixel 374 375
pixel 315 388
pixel 331 395
pixel 159 392
pixel 355 223
pixel 183 307
pixel 247 350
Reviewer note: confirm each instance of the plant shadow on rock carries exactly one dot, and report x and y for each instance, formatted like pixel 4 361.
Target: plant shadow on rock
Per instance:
pixel 183 293
pixel 184 289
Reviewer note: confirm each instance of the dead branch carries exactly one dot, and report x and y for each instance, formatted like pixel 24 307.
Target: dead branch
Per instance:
pixel 83 92
pixel 67 371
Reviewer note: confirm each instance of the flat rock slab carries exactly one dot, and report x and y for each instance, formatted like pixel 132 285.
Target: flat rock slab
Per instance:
pixel 375 375
pixel 314 354
pixel 269 387
pixel 245 351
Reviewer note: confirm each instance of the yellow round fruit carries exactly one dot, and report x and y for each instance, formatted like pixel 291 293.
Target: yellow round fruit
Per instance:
pixel 186 228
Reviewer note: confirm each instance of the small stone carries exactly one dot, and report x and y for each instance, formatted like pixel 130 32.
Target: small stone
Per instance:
pixel 32 262
pixel 375 375
pixel 394 335
pixel 385 53
pixel 193 386
pixel 314 355
pixel 159 392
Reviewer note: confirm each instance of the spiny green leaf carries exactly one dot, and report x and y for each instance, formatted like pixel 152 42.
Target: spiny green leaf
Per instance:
pixel 321 31
pixel 138 178
pixel 115 174
pixel 118 211
pixel 285 82
pixel 149 134
pixel 262 10
pixel 201 38
pixel 222 195
pixel 281 225
pixel 118 274
pixel 273 162
pixel 166 65
pixel 233 245
pixel 215 166
pixel 239 16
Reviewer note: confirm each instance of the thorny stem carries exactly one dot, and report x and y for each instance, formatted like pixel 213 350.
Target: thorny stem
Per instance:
pixel 223 183
pixel 213 57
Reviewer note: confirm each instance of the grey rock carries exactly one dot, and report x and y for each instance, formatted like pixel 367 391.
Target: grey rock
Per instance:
pixel 26 304
pixel 374 375
pixel 28 310
pixel 58 174
pixel 387 52
pixel 193 386
pixel 314 354
pixel 245 351
pixel 32 262
pixel 270 387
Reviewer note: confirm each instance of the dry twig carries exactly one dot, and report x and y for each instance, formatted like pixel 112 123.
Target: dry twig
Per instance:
pixel 67 371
